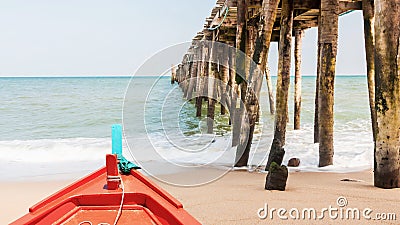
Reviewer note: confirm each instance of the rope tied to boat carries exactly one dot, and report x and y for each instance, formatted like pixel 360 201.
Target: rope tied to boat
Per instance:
pixel 113 178
pixel 90 223
pixel 122 202
pixel 120 205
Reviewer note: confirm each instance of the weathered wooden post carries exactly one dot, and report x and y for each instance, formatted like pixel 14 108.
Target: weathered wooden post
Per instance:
pixel 173 74
pixel 297 81
pixel 270 92
pixel 241 31
pixel 269 11
pixel 204 69
pixel 249 100
pixel 179 73
pixel 224 74
pixel 328 42
pixel 212 76
pixel 387 96
pixel 282 88
pixel 193 72
pixel 277 177
pixel 234 90
pixel 185 69
pixel 368 13
pixel 316 106
pixel 200 80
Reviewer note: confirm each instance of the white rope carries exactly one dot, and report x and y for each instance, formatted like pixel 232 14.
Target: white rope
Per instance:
pixel 120 206
pixel 122 202
pixel 113 178
pixel 83 222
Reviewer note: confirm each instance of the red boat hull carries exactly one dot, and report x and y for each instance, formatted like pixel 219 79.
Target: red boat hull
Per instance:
pixel 89 201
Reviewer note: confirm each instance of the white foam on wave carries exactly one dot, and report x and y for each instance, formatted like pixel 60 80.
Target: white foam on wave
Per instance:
pixel 353 148
pixel 75 157
pixel 352 144
pixel 51 158
pixel 202 149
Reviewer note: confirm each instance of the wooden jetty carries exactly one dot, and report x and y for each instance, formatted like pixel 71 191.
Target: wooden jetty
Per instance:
pixel 233 78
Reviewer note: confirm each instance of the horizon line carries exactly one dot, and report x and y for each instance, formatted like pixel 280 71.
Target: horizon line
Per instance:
pixel 130 76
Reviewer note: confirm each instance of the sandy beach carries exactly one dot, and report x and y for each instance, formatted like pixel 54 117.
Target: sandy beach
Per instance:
pixel 237 197
pixel 188 89
pixel 17 197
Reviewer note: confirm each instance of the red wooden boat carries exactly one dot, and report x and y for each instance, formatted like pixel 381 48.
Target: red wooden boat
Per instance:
pixel 109 197
pixel 96 199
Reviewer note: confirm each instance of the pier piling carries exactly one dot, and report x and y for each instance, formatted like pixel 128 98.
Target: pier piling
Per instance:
pixel 232 78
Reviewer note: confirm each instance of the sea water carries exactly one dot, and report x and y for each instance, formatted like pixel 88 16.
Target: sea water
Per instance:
pixel 60 127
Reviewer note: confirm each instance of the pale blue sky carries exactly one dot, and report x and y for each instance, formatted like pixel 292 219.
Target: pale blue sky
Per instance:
pixel 103 37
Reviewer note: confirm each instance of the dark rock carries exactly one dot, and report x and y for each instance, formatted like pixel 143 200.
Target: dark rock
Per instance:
pixel 294 162
pixel 350 180
pixel 276 178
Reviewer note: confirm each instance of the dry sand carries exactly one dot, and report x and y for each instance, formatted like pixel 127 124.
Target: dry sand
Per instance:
pixel 17 197
pixel 236 197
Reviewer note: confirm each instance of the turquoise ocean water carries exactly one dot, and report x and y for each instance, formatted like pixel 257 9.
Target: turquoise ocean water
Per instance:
pixel 60 127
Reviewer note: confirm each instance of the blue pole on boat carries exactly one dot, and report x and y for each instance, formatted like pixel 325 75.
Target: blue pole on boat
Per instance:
pixel 116 138
pixel 124 165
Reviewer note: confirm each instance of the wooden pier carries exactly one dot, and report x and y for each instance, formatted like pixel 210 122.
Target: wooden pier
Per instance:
pixel 232 76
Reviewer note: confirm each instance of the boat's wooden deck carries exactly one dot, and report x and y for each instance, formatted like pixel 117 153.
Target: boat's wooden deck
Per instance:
pixel 136 215
pixel 89 200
